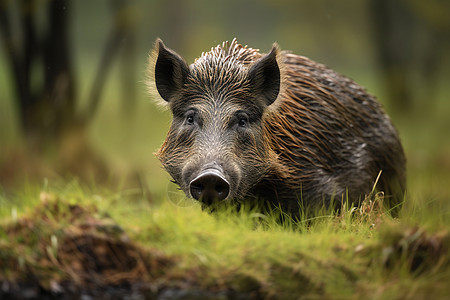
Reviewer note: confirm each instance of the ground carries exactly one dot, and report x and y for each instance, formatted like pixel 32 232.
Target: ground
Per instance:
pixel 71 241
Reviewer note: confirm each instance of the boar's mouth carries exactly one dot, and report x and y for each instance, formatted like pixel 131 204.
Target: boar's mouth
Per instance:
pixel 209 186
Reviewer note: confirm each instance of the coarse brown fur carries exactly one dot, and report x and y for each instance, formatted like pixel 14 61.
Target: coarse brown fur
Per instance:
pixel 323 137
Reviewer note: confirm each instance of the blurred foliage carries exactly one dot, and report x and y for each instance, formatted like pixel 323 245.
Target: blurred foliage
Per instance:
pixel 344 35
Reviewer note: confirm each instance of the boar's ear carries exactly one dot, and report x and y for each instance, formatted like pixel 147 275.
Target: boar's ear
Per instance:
pixel 170 71
pixel 264 76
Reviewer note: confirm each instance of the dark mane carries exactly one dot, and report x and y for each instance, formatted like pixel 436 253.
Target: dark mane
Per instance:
pixel 222 70
pixel 233 51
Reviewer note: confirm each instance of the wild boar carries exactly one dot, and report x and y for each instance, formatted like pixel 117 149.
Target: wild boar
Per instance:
pixel 275 128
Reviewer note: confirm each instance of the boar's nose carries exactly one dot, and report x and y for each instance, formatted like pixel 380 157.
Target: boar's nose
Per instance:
pixel 210 186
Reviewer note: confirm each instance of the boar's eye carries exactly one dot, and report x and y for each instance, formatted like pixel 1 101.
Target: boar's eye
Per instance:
pixel 190 118
pixel 243 122
pixel 242 119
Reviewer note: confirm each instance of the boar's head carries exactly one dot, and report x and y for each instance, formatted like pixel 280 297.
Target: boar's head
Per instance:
pixel 217 147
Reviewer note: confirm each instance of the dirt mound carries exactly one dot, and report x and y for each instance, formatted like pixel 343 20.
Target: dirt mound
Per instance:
pixel 62 248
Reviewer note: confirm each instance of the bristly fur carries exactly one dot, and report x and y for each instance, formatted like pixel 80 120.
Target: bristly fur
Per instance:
pixel 227 57
pixel 232 50
pixel 326 122
pixel 233 60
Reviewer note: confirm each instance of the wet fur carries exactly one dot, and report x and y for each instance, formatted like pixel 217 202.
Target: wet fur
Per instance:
pixel 324 137
pixel 334 136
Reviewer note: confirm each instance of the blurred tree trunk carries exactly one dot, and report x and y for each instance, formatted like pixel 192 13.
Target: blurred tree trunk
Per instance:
pixel 434 18
pixel 128 60
pixel 393 25
pixel 410 38
pixel 122 35
pixel 45 87
pixel 175 23
pixel 46 110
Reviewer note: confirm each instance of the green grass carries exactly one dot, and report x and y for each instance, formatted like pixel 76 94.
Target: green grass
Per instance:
pixel 351 254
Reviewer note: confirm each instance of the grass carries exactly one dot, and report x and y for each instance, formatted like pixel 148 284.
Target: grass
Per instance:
pixel 59 230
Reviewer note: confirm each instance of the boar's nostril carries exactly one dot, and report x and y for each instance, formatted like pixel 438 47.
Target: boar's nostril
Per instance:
pixel 209 186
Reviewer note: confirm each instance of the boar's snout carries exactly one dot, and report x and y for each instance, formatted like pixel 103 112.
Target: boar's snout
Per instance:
pixel 209 186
